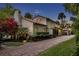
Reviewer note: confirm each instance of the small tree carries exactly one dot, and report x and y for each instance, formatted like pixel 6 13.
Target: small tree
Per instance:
pixel 28 15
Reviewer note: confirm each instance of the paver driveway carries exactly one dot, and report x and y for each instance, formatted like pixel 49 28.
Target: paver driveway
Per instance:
pixel 33 48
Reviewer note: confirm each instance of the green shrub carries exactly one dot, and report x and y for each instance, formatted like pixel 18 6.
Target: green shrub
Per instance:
pixel 42 33
pixel 39 36
pixel 22 34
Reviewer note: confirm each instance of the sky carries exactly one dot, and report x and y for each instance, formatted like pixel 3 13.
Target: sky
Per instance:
pixel 49 10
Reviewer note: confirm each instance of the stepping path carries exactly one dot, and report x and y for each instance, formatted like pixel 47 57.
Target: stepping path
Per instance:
pixel 33 48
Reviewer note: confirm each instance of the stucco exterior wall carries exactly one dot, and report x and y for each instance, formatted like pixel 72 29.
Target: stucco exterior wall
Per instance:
pixel 50 24
pixel 40 20
pixel 28 24
pixel 17 18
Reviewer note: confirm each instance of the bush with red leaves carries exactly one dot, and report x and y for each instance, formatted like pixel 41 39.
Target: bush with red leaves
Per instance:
pixel 8 25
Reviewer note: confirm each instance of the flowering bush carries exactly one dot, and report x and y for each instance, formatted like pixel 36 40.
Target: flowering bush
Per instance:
pixel 8 25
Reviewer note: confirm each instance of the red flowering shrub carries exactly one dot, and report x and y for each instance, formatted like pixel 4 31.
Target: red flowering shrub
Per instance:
pixel 8 25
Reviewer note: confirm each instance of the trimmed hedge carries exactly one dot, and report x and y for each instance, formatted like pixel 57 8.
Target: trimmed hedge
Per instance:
pixel 40 36
pixel 42 33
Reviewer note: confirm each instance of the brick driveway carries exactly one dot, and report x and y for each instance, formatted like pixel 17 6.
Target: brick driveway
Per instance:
pixel 33 48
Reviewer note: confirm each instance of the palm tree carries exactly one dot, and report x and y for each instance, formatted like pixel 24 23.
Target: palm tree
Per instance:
pixel 61 17
pixel 28 15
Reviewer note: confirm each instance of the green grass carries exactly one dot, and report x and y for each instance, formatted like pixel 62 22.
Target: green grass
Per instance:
pixel 66 48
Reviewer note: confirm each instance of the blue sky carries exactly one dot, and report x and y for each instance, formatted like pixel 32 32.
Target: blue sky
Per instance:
pixel 50 10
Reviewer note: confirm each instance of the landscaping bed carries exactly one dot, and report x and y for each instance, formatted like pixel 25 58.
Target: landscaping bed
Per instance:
pixel 11 44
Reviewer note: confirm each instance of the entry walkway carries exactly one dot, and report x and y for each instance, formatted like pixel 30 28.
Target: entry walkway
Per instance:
pixel 33 48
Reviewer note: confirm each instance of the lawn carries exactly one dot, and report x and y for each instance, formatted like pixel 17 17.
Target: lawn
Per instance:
pixel 66 48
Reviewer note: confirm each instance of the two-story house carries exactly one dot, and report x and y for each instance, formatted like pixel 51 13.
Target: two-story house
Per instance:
pixel 35 25
pixel 39 24
pixel 50 25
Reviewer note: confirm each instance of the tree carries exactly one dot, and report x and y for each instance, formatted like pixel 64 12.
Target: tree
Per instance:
pixel 74 9
pixel 71 8
pixel 6 12
pixel 61 17
pixel 28 15
pixel 7 23
pixel 72 18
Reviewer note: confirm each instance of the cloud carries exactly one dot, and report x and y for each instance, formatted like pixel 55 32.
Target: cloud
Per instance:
pixel 36 11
